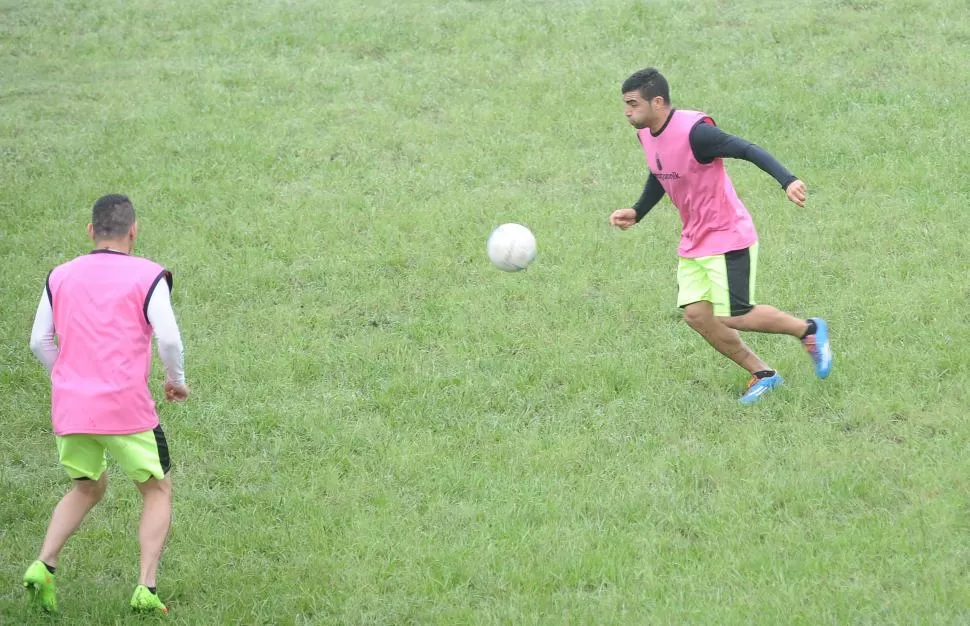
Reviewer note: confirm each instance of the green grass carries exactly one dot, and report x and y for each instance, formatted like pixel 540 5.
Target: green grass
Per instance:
pixel 387 430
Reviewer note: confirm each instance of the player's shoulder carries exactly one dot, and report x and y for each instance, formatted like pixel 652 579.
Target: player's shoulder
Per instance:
pixel 64 266
pixel 698 117
pixel 155 272
pixel 696 114
pixel 141 267
pixel 705 129
pixel 144 260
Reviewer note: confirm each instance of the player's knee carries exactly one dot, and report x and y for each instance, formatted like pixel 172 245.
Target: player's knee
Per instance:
pixel 94 490
pixel 696 316
pixel 154 488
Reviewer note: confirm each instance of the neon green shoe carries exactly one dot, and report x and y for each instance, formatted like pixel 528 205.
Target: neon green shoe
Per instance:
pixel 39 584
pixel 145 600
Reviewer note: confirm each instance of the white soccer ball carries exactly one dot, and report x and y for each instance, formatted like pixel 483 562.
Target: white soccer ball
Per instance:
pixel 512 247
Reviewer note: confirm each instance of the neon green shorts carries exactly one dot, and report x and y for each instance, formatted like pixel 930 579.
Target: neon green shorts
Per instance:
pixel 142 455
pixel 725 280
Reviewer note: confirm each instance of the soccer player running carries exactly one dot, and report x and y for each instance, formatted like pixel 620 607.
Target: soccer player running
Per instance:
pixel 719 245
pixel 103 308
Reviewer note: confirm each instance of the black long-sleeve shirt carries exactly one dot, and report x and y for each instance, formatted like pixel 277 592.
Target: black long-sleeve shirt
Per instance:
pixel 708 142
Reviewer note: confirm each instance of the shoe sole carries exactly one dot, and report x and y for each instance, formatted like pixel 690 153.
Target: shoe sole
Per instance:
pixel 824 367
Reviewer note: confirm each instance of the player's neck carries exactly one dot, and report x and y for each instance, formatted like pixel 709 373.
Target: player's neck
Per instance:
pixel 114 245
pixel 663 116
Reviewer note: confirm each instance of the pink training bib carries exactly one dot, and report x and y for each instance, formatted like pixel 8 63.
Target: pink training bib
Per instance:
pixel 714 219
pixel 99 383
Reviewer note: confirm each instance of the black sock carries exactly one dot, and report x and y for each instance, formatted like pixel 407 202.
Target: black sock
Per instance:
pixel 152 589
pixel 812 328
pixel 50 568
pixel 764 374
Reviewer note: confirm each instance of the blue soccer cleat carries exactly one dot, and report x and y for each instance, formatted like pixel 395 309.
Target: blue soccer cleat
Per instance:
pixel 757 387
pixel 819 348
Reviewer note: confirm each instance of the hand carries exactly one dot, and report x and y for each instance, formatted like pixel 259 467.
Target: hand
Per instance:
pixel 796 192
pixel 176 392
pixel 623 218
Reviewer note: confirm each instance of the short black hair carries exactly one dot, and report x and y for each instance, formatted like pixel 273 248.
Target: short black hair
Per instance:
pixel 650 83
pixel 112 216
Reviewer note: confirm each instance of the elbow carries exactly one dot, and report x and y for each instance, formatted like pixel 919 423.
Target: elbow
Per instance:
pixel 36 345
pixel 170 346
pixel 44 351
pixel 173 341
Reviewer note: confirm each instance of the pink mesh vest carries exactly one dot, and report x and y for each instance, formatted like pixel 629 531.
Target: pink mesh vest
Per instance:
pixel 714 219
pixel 99 383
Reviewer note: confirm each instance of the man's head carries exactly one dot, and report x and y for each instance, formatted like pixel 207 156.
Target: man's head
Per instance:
pixel 113 222
pixel 646 97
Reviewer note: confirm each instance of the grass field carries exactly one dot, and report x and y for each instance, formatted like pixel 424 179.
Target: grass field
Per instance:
pixel 385 429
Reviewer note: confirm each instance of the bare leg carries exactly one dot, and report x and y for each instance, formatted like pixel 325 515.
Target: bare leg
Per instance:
pixel 767 319
pixel 726 340
pixel 68 515
pixel 156 518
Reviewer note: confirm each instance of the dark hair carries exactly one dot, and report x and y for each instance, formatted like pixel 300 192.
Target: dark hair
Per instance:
pixel 650 83
pixel 112 216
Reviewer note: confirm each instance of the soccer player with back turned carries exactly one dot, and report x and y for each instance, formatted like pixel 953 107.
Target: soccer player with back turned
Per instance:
pixel 103 308
pixel 718 250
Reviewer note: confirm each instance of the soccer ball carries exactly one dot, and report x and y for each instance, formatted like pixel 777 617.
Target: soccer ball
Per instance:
pixel 512 247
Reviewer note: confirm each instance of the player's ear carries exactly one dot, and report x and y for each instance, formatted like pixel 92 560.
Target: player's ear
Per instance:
pixel 91 231
pixel 133 231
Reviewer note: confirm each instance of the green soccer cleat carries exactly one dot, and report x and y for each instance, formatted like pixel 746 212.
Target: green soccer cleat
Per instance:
pixel 39 584
pixel 146 601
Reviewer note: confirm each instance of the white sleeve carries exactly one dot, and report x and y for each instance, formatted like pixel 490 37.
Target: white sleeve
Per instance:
pixel 162 318
pixel 42 342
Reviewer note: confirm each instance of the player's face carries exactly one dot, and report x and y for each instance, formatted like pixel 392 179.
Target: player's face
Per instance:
pixel 639 112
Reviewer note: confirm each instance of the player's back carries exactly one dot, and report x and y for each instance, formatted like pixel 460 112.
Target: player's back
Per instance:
pixel 99 380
